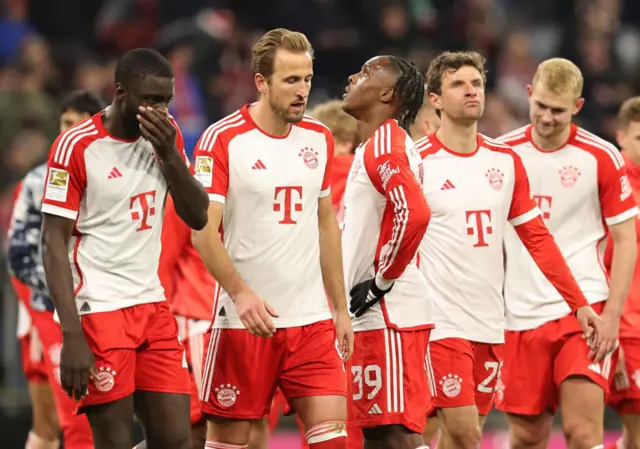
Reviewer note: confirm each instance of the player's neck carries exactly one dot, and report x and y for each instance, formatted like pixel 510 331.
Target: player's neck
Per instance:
pixel 115 125
pixel 367 126
pixel 459 138
pixel 552 143
pixel 268 122
pixel 633 157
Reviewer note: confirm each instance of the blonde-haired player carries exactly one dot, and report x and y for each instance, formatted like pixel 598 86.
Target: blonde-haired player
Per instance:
pixel 580 185
pixel 625 388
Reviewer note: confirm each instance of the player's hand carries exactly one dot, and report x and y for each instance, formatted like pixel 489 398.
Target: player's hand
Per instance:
pixel 621 377
pixel 255 313
pixel 344 334
pixel 591 325
pixel 608 336
pixel 364 295
pixel 76 364
pixel 157 128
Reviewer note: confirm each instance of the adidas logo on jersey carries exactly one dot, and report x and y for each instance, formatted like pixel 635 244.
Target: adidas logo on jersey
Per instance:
pixel 447 185
pixel 85 307
pixel 115 173
pixel 375 409
pixel 259 165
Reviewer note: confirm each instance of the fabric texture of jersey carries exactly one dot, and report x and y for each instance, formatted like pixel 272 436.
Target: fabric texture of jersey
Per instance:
pixel 115 192
pixel 270 187
pixel 473 197
pixel 581 188
pixel 24 251
pixel 385 218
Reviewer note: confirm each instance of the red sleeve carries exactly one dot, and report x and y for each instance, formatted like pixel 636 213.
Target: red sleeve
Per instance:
pixel 523 206
pixel 543 249
pixel 406 214
pixel 616 199
pixel 66 177
pixel 212 166
pixel 175 237
pixel 326 182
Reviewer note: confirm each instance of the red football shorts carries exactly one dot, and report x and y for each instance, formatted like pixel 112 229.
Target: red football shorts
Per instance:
pixel 32 355
pixel 537 361
pixel 192 332
pixel 463 373
pixel 626 401
pixel 147 356
pixel 389 382
pixel 242 372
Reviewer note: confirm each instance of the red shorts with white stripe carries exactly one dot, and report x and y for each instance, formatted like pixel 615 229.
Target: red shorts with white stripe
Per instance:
pixel 537 361
pixel 242 371
pixel 463 372
pixel 625 399
pixel 192 332
pixel 389 383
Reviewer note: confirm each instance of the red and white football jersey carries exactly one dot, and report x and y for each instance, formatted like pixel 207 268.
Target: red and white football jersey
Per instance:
pixel 580 189
pixel 115 192
pixel 270 188
pixel 472 198
pixel 385 218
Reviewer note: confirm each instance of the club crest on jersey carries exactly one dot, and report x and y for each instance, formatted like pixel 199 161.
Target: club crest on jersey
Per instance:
pixel 105 379
pixel 451 385
pixel 496 178
pixel 310 157
pixel 227 395
pixel 569 175
pixel 386 172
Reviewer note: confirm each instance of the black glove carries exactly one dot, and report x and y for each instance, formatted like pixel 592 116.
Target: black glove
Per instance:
pixel 365 295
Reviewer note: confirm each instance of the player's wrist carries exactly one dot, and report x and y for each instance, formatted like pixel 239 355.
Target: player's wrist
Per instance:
pixel 381 283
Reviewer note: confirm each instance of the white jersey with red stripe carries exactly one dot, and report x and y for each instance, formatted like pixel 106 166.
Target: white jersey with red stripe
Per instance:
pixel 472 198
pixel 115 192
pixel 580 189
pixel 270 187
pixel 385 217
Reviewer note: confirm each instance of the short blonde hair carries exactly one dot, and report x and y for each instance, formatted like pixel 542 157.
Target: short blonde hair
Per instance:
pixel 629 112
pixel 560 76
pixel 342 125
pixel 264 51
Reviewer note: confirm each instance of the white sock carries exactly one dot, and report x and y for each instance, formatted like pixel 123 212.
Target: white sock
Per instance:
pixel 424 446
pixel 35 442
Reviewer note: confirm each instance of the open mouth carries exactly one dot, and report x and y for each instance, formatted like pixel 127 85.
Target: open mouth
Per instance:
pixel 297 107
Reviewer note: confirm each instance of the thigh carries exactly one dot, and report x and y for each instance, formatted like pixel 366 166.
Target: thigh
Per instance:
pixel 161 364
pixel 526 383
pixel 312 365
pixel 529 431
pixel 165 419
pixel 389 383
pixel 111 423
pixel 240 373
pixel 486 372
pixel 626 399
pixel 193 346
pixel 582 408
pixel 451 362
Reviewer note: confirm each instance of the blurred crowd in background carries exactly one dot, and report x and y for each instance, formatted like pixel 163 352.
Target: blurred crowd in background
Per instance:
pixel 49 47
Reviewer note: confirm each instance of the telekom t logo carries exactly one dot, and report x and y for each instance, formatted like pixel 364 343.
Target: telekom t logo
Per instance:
pixel 476 220
pixel 146 200
pixel 544 204
pixel 284 197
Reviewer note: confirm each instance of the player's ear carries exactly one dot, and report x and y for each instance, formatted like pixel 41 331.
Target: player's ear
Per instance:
pixel 529 90
pixel 387 94
pixel 435 100
pixel 578 105
pixel 262 83
pixel 620 137
pixel 120 91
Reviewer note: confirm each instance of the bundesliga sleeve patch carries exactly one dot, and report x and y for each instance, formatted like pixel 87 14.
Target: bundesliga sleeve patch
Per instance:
pixel 57 185
pixel 204 170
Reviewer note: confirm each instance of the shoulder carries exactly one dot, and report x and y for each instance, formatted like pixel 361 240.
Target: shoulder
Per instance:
pixel 515 137
pixel 497 146
pixel 225 130
pixel 72 143
pixel 311 124
pixel 603 151
pixel 388 139
pixel 426 146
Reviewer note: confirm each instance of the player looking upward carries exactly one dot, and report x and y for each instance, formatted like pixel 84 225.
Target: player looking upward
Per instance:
pixel 384 201
pixel 580 185
pixel 103 205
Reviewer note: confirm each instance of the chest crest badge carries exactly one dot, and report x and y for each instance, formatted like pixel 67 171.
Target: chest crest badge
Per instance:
pixel 496 178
